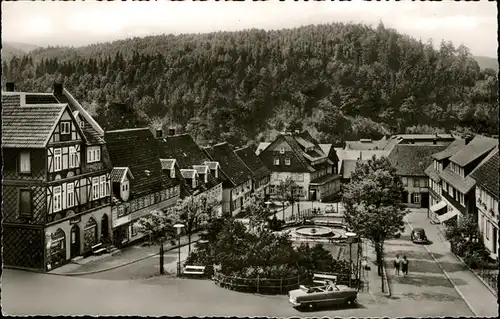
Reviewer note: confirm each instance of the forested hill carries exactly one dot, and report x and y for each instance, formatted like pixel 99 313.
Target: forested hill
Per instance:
pixel 340 81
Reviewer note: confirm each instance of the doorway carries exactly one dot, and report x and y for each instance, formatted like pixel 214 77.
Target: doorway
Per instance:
pixel 424 202
pixel 105 228
pixel 75 241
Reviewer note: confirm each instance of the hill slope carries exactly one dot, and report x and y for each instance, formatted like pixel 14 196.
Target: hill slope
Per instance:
pixel 486 62
pixel 10 49
pixel 341 81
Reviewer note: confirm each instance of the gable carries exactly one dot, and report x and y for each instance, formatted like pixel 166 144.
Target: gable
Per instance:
pixel 66 121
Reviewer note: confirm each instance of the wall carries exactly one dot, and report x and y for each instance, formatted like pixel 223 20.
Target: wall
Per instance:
pixel 10 209
pixel 412 189
pixel 11 162
pixel 277 177
pixel 487 207
pixel 226 200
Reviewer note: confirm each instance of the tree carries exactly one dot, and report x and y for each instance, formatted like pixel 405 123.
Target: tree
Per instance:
pixel 284 192
pixel 258 213
pixel 373 203
pixel 157 226
pixel 192 211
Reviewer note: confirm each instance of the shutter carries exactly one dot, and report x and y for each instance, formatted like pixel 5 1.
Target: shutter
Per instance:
pixel 49 200
pixel 412 199
pixel 63 196
pixel 89 188
pixel 50 162
pixel 76 191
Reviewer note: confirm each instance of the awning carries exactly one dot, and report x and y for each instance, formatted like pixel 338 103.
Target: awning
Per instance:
pixel 447 216
pixel 438 206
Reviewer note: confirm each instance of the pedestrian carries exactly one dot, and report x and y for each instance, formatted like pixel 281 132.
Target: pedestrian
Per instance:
pixel 404 266
pixel 397 264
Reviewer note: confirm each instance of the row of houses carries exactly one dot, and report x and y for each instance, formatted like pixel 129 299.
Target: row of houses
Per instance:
pixel 69 185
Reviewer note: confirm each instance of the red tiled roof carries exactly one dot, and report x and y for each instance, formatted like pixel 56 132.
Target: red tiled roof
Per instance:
pixel 413 159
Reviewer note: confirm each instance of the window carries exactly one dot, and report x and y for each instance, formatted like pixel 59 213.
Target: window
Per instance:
pixel 93 154
pixel 133 230
pixel 287 161
pixel 282 150
pixel 57 159
pixel 102 186
pixel 276 161
pixel 405 181
pixel 24 162
pixel 172 173
pixel 82 124
pixel 57 198
pixel 73 157
pixel 416 198
pixel 416 182
pixel 70 194
pixel 461 198
pixel 426 183
pixel 487 229
pixel 95 188
pixel 65 128
pixel 25 203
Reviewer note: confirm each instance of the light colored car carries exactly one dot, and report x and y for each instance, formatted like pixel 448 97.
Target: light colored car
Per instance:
pixel 329 294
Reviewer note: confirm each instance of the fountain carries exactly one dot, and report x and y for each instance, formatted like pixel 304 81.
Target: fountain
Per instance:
pixel 318 231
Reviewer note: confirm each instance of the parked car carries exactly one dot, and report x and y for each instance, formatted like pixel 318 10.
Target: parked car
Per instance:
pixel 329 294
pixel 418 236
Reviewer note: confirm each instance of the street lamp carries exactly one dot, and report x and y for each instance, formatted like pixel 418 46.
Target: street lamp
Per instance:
pixel 350 240
pixel 311 193
pixel 179 229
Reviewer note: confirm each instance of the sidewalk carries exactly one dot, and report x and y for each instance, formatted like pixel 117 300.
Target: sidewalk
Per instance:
pixel 123 257
pixel 373 282
pixel 481 301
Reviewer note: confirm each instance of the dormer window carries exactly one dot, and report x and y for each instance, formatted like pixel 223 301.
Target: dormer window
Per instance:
pixel 214 168
pixel 82 124
pixel 65 127
pixel 194 184
pixel 287 161
pixel 276 161
pixel 282 150
pixel 172 173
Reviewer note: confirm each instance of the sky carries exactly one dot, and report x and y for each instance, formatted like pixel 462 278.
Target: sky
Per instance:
pixel 473 24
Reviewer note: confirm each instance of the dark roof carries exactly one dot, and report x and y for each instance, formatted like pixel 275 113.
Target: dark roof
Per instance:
pixel 138 150
pixel 187 155
pixel 247 155
pixel 232 166
pixel 454 147
pixel 324 179
pixel 463 185
pixel 348 167
pixel 28 126
pixel 476 148
pixel 486 174
pixel 432 173
pixel 117 174
pixel 413 159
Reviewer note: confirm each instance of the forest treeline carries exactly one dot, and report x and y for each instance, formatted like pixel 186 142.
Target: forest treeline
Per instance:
pixel 340 81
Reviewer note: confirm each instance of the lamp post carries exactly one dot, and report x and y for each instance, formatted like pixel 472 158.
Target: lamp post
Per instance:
pixel 311 193
pixel 179 229
pixel 350 239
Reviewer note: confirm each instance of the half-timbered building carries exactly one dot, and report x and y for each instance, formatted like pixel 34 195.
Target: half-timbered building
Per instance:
pixel 56 179
pixel 139 186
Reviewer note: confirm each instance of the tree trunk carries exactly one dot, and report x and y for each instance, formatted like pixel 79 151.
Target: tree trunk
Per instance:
pixel 189 242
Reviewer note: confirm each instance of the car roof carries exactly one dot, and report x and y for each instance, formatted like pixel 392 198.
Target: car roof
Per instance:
pixel 418 229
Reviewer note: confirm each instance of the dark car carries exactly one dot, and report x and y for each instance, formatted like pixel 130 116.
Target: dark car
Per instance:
pixel 418 236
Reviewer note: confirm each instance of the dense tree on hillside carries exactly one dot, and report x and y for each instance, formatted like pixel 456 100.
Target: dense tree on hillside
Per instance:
pixel 237 85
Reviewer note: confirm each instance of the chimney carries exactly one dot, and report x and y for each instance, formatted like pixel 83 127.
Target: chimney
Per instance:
pixel 171 131
pixel 58 88
pixel 10 87
pixel 159 133
pixel 468 138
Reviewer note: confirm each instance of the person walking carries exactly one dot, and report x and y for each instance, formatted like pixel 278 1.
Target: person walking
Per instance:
pixel 404 266
pixel 397 265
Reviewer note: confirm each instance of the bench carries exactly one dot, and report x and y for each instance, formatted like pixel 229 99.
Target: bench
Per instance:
pixel 322 278
pixel 98 249
pixel 194 270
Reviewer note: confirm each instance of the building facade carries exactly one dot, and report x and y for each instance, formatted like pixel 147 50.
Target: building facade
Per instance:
pixel 262 175
pixel 410 161
pixel 487 188
pixel 197 174
pixel 56 184
pixel 139 185
pixel 298 156
pixel 238 178
pixel 457 186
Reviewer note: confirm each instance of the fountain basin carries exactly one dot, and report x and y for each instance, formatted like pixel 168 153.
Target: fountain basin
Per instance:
pixel 314 231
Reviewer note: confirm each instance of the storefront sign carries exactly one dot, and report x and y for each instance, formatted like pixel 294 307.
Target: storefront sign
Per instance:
pixel 75 220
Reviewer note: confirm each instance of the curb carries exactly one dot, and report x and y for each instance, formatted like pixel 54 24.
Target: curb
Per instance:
pixel 447 276
pixel 117 266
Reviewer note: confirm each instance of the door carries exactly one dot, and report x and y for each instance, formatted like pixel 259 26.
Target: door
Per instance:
pixel 105 228
pixel 405 197
pixel 75 241
pixel 424 202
